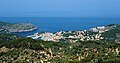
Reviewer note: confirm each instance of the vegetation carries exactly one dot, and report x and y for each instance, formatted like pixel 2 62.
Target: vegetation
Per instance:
pixel 68 34
pixel 113 34
pixel 23 27
pixel 26 50
pixel 16 49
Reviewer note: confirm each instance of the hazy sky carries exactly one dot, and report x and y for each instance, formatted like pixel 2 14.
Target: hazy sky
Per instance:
pixel 60 8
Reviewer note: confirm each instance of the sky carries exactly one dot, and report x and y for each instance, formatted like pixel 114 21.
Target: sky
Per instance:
pixel 59 8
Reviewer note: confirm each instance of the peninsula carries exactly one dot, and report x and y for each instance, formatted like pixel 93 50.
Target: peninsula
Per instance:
pixel 22 27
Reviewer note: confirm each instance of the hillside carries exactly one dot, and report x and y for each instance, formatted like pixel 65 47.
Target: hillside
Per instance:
pixel 26 50
pixel 113 34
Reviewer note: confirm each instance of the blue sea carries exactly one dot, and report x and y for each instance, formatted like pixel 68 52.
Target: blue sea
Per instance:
pixel 55 24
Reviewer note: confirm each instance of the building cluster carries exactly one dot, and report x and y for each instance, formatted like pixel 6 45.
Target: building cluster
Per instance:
pixel 100 29
pixel 72 36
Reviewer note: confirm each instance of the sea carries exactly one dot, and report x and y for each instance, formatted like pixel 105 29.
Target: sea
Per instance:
pixel 56 24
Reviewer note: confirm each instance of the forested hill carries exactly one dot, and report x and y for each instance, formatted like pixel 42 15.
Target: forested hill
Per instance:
pixel 113 34
pixel 15 49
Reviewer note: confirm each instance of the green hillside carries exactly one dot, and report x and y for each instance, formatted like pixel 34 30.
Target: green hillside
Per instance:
pixel 26 50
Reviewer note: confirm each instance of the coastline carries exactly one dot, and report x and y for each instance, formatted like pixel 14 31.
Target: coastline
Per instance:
pixel 22 31
pixel 93 34
pixel 56 36
pixel 18 27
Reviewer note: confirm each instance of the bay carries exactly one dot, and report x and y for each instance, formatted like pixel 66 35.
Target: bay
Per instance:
pixel 56 24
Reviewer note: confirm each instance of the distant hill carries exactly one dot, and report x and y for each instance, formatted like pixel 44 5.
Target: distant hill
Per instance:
pixel 22 27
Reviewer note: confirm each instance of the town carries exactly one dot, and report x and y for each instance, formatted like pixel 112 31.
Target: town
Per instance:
pixel 93 34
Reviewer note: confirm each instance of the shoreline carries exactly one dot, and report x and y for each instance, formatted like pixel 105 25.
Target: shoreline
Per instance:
pixel 93 34
pixel 50 36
